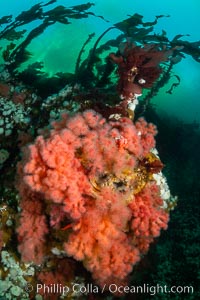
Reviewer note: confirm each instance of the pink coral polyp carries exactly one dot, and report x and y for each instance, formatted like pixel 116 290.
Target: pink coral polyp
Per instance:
pixel 87 175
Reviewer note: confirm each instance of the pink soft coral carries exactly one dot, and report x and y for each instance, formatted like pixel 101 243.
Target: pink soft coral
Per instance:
pixel 34 228
pixel 100 239
pixel 89 175
pixel 148 217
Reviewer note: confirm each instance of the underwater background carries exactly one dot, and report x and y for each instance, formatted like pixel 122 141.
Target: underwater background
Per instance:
pixel 184 19
pixel 35 88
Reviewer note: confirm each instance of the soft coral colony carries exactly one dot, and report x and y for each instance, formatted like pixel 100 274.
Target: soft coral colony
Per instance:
pixel 93 180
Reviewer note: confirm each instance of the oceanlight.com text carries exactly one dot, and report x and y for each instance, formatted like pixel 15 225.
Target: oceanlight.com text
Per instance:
pixel 151 289
pixel 76 288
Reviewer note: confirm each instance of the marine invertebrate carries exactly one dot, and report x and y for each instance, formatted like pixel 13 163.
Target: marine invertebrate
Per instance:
pixel 14 277
pixel 15 104
pixel 11 115
pixel 87 188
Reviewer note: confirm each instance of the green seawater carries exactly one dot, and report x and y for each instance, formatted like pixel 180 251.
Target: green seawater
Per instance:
pixel 59 45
